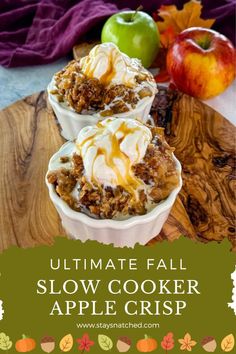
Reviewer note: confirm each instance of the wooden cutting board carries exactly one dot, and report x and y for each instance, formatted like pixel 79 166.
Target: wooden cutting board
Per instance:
pixel 204 142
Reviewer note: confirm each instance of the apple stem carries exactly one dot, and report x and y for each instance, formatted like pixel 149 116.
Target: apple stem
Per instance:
pixel 135 13
pixel 204 42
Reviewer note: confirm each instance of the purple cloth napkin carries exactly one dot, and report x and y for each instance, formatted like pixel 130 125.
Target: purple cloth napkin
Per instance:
pixel 40 31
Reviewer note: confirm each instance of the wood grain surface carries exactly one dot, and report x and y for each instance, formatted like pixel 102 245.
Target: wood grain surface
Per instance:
pixel 204 142
pixel 29 136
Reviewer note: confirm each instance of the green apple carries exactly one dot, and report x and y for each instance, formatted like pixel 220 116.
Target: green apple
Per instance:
pixel 135 33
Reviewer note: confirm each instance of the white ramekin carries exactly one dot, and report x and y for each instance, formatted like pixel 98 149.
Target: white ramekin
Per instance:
pixel 72 122
pixel 120 233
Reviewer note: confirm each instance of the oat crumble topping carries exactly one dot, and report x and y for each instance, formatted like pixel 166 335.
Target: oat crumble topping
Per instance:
pixel 84 94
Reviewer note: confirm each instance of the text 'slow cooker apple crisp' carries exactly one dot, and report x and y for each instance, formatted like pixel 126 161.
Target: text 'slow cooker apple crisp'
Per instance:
pixel 120 168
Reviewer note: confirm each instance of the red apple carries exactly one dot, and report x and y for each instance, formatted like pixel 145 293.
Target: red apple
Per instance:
pixel 201 62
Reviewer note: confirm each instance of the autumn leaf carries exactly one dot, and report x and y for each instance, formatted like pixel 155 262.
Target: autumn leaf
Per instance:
pixel 105 342
pixel 66 343
pixel 227 343
pixel 168 342
pixel 189 16
pixel 174 21
pixel 85 343
pixel 5 342
pixel 187 343
pixel 167 37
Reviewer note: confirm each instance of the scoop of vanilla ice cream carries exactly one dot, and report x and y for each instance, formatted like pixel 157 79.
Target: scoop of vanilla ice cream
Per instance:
pixel 110 149
pixel 108 64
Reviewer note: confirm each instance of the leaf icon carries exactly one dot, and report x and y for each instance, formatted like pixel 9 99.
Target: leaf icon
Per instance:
pixel 187 343
pixel 168 342
pixel 66 343
pixel 5 342
pixel 105 342
pixel 227 343
pixel 85 343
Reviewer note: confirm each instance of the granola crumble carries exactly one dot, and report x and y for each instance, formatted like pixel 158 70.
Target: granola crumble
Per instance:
pixel 84 94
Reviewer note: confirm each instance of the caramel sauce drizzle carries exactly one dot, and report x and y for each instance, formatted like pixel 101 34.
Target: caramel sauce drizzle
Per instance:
pixel 106 78
pixel 128 181
pixel 113 58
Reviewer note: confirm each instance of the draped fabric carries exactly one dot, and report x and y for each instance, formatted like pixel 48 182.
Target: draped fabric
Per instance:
pixel 41 31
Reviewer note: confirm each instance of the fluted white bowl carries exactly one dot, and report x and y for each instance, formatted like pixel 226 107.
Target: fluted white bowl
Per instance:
pixel 137 229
